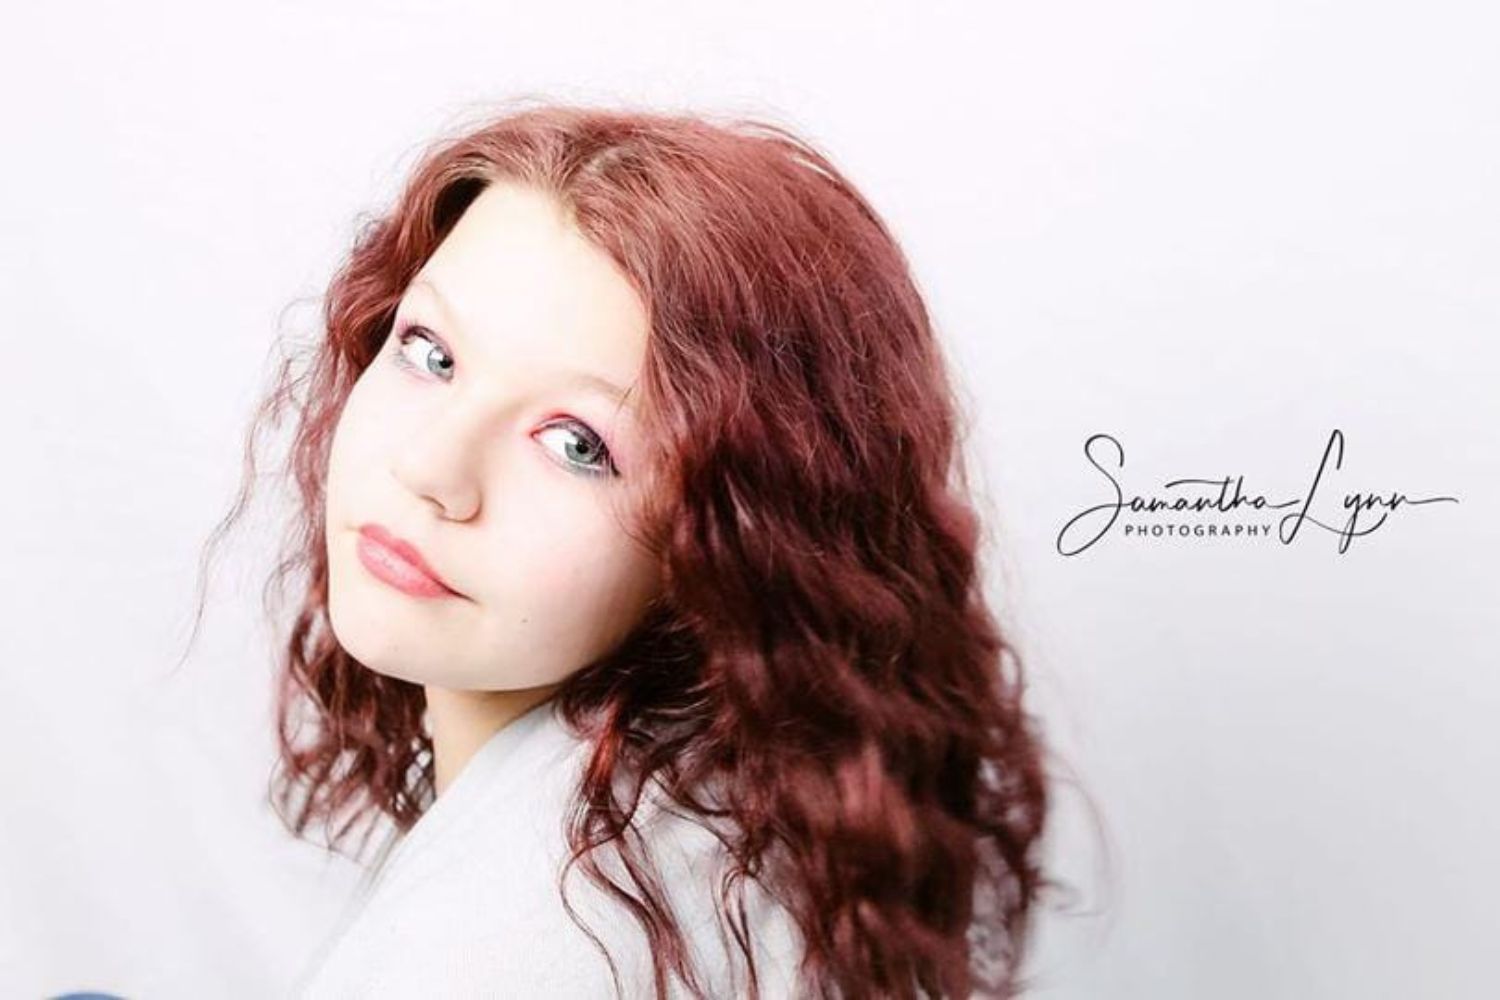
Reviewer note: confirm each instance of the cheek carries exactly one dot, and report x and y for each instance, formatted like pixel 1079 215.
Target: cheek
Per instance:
pixel 360 437
pixel 555 543
pixel 374 408
pixel 570 571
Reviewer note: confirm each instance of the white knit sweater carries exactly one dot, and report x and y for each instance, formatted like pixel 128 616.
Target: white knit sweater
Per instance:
pixel 466 904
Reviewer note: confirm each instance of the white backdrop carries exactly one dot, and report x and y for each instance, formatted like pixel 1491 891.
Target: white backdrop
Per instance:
pixel 1214 232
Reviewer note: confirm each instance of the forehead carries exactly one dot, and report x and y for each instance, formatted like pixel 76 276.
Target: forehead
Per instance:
pixel 517 285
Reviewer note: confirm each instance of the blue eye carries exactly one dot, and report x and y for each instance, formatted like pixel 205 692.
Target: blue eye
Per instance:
pixel 597 460
pixel 414 332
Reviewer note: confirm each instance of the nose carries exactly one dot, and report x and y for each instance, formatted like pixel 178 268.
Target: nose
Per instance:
pixel 443 463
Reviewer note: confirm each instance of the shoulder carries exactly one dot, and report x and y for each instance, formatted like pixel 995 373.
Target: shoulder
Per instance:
pixel 692 866
pixel 555 956
pixel 479 910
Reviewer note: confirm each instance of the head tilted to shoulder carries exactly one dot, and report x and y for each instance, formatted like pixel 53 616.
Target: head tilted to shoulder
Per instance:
pixel 659 401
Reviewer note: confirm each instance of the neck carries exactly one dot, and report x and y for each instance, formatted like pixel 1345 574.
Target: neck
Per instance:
pixel 460 722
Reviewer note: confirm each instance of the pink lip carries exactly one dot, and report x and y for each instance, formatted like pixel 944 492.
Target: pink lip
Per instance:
pixel 399 564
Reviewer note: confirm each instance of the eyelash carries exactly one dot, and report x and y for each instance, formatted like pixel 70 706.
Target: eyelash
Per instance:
pixel 608 469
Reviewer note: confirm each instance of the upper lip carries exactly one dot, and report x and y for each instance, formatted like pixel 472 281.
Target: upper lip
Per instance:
pixel 406 550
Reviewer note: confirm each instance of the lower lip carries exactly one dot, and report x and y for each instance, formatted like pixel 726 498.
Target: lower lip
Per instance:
pixel 391 568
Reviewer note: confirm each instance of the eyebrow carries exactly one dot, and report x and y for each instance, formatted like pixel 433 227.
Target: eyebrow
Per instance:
pixel 587 380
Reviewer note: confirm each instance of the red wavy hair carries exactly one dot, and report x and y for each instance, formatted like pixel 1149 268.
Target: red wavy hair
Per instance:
pixel 822 651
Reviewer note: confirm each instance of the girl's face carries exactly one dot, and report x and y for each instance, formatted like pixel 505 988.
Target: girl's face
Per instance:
pixel 485 435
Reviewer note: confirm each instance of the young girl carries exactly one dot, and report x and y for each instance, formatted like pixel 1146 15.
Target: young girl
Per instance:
pixel 642 590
